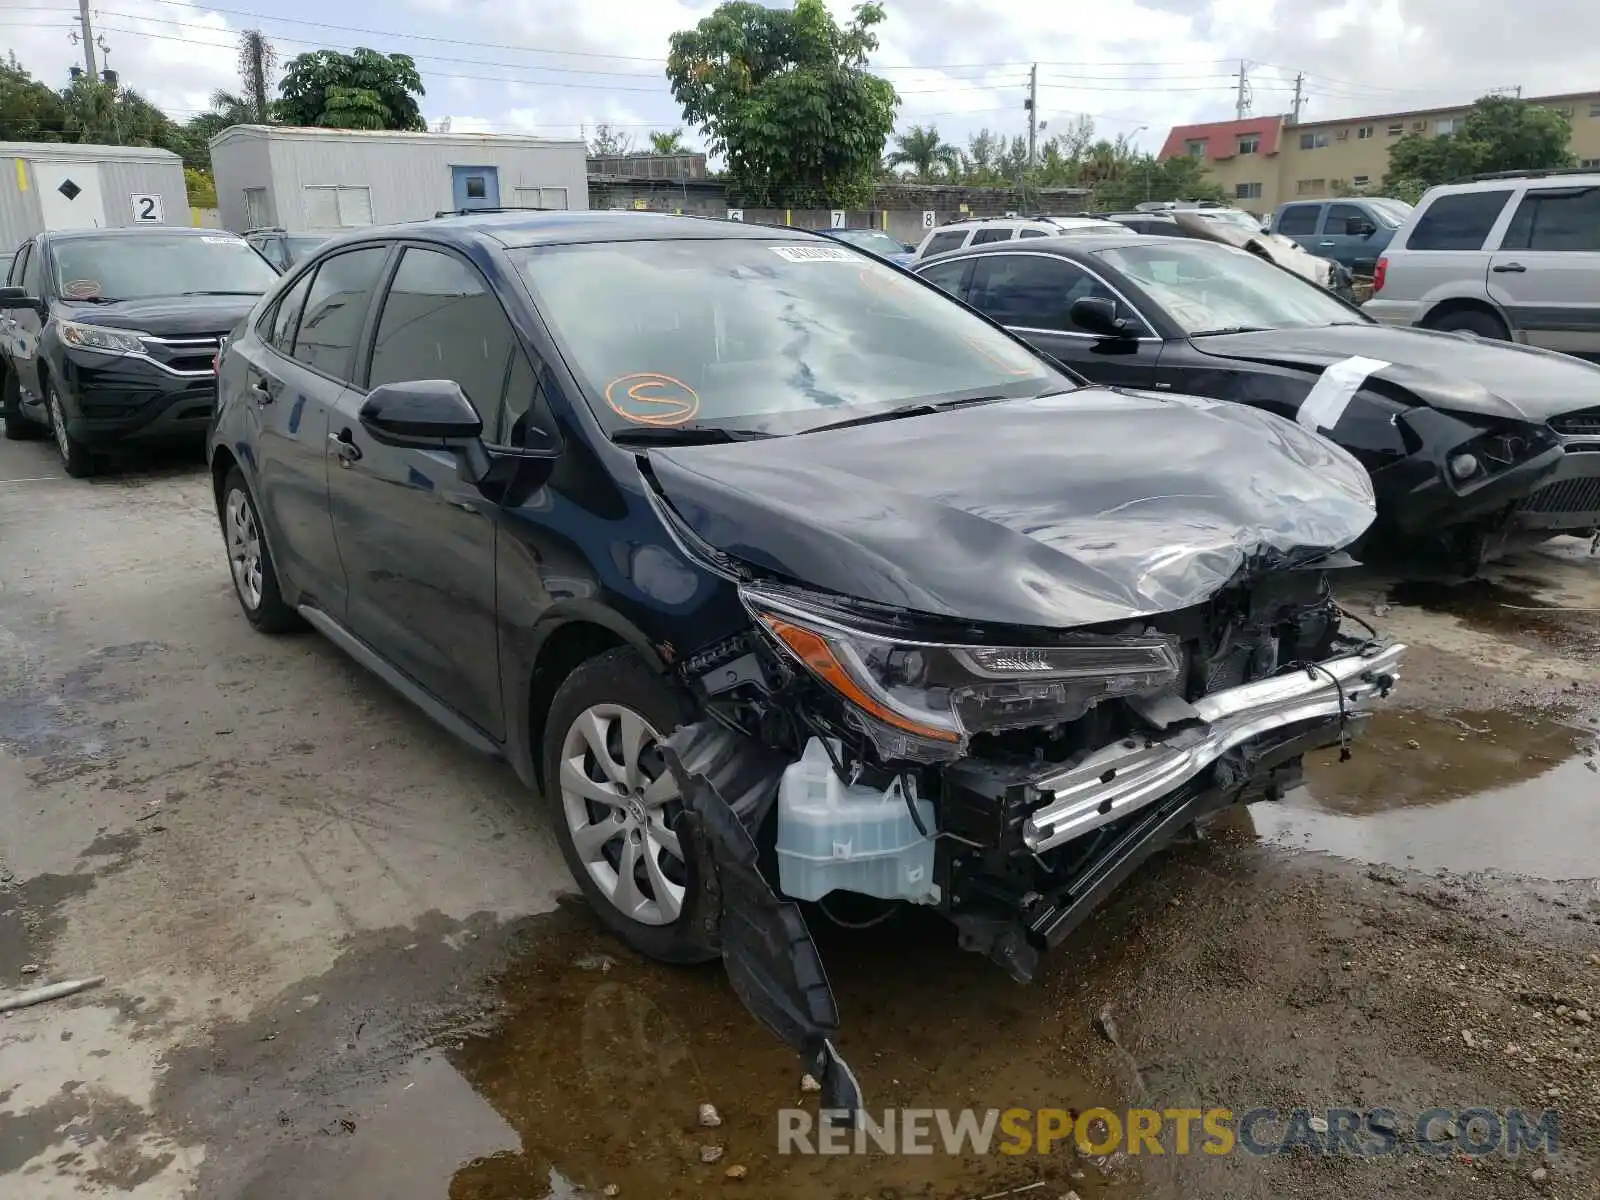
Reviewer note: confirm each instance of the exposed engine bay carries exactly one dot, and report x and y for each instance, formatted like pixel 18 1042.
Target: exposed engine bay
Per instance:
pixel 1008 778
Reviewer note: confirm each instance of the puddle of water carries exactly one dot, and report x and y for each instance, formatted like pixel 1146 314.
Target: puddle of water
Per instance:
pixel 1469 791
pixel 1497 607
pixel 600 1061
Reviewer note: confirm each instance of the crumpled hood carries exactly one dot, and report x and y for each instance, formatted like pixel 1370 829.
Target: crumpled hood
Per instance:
pixel 1448 371
pixel 1068 510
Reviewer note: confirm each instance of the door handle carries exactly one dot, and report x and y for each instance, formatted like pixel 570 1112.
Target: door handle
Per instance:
pixel 1324 243
pixel 346 449
pixel 1508 268
pixel 259 393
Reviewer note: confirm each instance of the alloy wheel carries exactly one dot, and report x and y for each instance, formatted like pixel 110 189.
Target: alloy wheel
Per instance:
pixel 619 800
pixel 244 548
pixel 58 425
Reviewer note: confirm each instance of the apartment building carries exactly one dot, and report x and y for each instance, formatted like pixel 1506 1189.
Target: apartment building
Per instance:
pixel 1264 161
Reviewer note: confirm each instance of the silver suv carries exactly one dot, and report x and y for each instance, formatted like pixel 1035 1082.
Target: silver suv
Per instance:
pixel 1513 256
pixel 981 230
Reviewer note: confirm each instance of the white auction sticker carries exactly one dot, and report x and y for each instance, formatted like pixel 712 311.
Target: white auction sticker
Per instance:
pixel 1325 403
pixel 800 254
pixel 222 241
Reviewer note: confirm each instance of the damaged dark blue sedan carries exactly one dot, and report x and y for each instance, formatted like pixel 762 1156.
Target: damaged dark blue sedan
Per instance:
pixel 784 578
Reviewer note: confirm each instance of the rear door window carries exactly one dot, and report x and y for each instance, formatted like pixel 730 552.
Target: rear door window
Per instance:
pixel 1458 221
pixel 1298 220
pixel 985 236
pixel 1027 233
pixel 1559 219
pixel 336 308
pixel 951 240
pixel 1344 220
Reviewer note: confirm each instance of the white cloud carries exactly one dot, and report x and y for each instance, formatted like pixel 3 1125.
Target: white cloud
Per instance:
pixel 173 54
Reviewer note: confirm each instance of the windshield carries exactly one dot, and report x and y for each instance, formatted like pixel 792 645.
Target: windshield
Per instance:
pixel 1392 213
pixel 774 337
pixel 1206 287
pixel 871 239
pixel 143 266
pixel 298 247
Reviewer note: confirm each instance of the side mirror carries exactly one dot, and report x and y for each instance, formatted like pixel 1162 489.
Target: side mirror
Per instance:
pixel 428 414
pixel 16 297
pixel 1097 315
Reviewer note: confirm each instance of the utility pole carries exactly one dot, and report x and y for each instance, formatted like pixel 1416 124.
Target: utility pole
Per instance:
pixel 88 41
pixel 1033 111
pixel 1241 106
pixel 1299 95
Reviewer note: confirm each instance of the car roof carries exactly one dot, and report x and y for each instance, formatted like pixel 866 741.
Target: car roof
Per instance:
pixel 516 229
pixel 74 235
pixel 1072 247
pixel 1500 181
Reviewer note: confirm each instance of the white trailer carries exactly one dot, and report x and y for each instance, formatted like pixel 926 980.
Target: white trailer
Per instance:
pixel 326 180
pixel 64 185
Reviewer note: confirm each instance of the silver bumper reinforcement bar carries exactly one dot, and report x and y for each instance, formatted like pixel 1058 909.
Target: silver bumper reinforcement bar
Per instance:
pixel 1130 774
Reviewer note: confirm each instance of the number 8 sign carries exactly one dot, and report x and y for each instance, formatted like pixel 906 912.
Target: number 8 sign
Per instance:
pixel 928 218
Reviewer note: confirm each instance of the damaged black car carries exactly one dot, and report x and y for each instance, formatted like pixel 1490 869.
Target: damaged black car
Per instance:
pixel 1474 446
pixel 785 579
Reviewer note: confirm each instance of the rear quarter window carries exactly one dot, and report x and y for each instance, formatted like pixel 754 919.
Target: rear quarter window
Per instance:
pixel 1458 221
pixel 940 242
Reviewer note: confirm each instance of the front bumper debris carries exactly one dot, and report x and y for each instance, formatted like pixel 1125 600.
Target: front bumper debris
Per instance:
pixel 1124 777
pixel 1569 500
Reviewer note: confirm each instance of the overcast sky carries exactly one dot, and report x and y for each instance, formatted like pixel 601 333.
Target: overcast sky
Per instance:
pixel 553 67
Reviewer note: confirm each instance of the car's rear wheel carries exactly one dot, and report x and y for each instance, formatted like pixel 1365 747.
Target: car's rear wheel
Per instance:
pixel 18 427
pixel 1485 325
pixel 255 579
pixel 614 803
pixel 75 456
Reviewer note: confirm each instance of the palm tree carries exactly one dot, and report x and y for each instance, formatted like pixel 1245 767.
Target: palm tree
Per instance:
pixel 668 143
pixel 922 150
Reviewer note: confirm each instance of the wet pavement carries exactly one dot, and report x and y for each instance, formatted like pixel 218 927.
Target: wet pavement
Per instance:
pixel 338 963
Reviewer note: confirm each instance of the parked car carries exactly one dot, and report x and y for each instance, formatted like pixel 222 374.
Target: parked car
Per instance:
pixel 874 241
pixel 1513 257
pixel 1464 438
pixel 1225 225
pixel 281 248
pixel 1352 232
pixel 108 337
pixel 982 230
pixel 932 622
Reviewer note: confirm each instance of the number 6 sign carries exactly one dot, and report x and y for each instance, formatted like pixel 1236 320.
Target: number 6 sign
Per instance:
pixel 147 208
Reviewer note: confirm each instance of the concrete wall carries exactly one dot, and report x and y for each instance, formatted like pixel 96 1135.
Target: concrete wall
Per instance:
pixel 408 176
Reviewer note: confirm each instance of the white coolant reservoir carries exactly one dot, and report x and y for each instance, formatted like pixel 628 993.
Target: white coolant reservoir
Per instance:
pixel 836 836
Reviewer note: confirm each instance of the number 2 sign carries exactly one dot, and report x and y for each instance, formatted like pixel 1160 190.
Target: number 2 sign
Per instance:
pixel 147 208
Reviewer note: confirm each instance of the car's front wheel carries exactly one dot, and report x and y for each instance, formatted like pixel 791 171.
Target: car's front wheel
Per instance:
pixel 255 579
pixel 75 456
pixel 615 804
pixel 1482 324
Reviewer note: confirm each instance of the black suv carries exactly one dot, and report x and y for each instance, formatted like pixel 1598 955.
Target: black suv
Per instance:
pixel 110 336
pixel 782 576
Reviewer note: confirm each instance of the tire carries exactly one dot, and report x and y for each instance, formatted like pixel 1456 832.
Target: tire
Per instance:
pixel 255 579
pixel 609 698
pixel 18 427
pixel 1485 325
pixel 75 456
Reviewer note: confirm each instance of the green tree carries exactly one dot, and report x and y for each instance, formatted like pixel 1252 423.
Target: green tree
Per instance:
pixel 784 97
pixel 610 142
pixel 978 159
pixel 1143 177
pixel 1499 133
pixel 201 187
pixel 360 90
pixel 29 111
pixel 670 142
pixel 925 152
pixel 257 59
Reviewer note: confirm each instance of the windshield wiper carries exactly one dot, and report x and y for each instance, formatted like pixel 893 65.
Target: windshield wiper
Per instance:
pixel 683 435
pixel 91 300
pixel 910 410
pixel 1232 329
pixel 219 293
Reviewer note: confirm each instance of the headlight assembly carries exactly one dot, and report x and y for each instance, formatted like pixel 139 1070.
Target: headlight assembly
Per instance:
pixel 98 337
pixel 931 697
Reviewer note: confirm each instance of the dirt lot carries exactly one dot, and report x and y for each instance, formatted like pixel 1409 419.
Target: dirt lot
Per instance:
pixel 338 964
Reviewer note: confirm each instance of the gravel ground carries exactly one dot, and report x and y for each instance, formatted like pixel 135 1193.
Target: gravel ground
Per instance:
pixel 337 962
